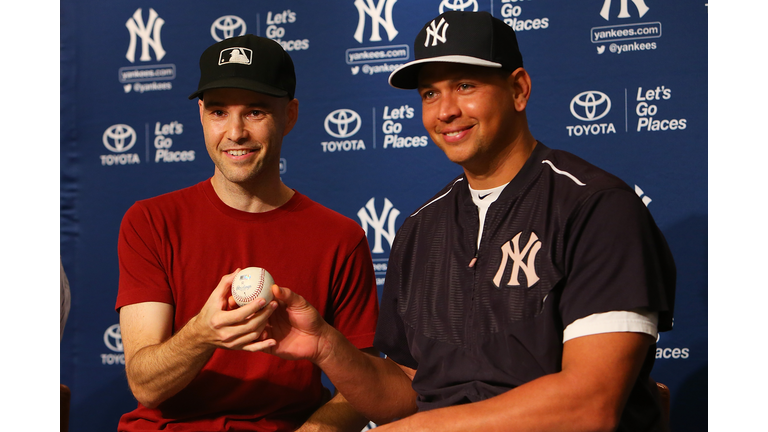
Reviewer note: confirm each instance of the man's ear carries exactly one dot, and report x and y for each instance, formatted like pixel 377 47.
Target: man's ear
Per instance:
pixel 520 82
pixel 291 115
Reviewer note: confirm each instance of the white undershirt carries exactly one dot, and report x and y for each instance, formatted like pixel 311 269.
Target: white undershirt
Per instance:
pixel 636 321
pixel 488 197
pixel 639 320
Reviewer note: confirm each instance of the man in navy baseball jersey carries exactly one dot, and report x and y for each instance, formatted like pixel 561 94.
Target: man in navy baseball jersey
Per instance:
pixel 526 295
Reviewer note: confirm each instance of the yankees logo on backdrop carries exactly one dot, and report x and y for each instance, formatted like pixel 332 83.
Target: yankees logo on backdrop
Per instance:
pixel 370 218
pixel 511 251
pixel 366 7
pixel 624 11
pixel 149 34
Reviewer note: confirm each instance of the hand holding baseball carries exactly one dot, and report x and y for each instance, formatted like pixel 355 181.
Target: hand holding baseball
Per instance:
pixel 240 328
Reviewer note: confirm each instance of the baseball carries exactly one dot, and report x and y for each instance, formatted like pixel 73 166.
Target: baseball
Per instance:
pixel 250 284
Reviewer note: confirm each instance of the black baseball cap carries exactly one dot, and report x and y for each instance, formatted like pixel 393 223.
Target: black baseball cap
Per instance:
pixel 474 38
pixel 247 62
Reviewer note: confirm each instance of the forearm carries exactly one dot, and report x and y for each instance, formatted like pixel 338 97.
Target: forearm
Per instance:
pixel 545 404
pixel 337 415
pixel 375 387
pixel 157 372
pixel 159 364
pixel 588 394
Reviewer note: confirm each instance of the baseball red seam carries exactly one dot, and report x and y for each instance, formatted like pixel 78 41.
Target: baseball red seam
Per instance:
pixel 256 293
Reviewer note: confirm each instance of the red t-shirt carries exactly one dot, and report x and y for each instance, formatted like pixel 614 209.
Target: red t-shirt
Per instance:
pixel 176 247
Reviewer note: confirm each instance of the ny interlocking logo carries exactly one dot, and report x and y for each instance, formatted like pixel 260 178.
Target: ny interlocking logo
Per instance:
pixel 623 10
pixel 149 34
pixel 367 7
pixel 511 250
pixel 370 218
pixel 433 30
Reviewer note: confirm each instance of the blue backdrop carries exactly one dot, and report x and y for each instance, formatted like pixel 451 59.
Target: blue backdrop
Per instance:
pixel 622 84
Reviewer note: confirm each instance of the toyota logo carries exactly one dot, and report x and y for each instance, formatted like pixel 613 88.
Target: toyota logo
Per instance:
pixel 458 5
pixel 227 26
pixel 586 104
pixel 119 138
pixel 113 339
pixel 342 120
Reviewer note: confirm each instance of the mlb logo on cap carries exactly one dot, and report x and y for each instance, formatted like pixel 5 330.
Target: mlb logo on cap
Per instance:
pixel 236 55
pixel 247 62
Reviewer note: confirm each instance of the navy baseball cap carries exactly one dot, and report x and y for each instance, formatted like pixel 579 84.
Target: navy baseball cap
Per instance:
pixel 247 62
pixel 474 38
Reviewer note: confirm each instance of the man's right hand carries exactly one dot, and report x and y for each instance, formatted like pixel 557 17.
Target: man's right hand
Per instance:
pixel 296 330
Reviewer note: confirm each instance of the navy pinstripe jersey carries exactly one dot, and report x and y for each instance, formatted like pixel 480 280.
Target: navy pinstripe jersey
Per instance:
pixel 564 240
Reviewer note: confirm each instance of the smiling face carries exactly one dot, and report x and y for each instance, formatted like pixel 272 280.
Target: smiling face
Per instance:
pixel 474 114
pixel 243 133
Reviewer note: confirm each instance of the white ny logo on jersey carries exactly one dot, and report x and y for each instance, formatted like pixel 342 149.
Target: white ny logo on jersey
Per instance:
pixel 511 249
pixel 370 218
pixel 432 31
pixel 136 26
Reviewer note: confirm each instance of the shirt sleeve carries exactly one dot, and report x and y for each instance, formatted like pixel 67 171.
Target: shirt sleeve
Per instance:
pixel 617 260
pixel 356 306
pixel 391 338
pixel 637 321
pixel 142 275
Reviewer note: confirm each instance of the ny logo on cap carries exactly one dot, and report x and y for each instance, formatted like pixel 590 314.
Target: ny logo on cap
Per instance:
pixel 432 31
pixel 235 55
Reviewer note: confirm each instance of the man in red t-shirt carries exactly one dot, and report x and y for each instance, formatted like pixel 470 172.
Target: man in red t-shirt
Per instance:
pixel 192 356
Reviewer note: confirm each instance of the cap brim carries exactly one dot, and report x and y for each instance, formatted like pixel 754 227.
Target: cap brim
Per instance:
pixel 406 77
pixel 240 83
